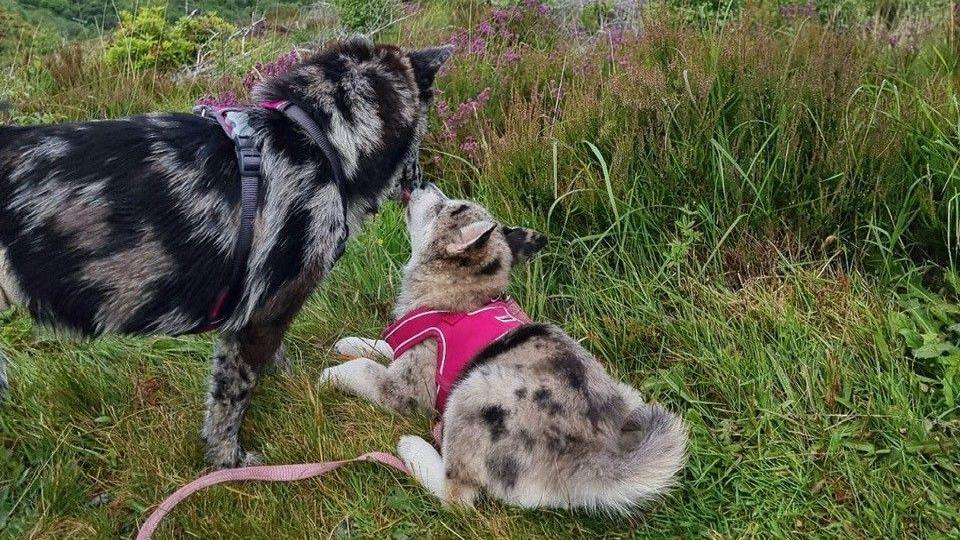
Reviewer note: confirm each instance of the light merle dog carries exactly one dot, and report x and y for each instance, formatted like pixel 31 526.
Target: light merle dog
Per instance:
pixel 534 419
pixel 129 226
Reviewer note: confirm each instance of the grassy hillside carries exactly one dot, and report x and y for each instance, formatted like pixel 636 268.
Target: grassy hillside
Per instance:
pixel 754 216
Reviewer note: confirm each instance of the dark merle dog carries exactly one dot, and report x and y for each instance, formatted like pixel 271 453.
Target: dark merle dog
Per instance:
pixel 130 226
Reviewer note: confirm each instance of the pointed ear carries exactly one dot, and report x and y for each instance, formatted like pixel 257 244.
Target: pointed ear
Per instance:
pixel 472 235
pixel 427 62
pixel 524 243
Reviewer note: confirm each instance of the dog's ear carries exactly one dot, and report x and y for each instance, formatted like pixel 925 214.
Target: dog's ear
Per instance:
pixel 473 235
pixel 427 62
pixel 524 243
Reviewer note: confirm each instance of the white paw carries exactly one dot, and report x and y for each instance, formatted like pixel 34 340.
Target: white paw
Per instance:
pixel 327 376
pixel 412 449
pixel 356 347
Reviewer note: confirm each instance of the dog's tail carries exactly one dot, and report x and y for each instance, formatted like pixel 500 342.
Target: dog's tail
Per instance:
pixel 641 465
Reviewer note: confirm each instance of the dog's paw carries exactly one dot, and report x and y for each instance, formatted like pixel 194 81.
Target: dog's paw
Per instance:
pixel 412 449
pixel 327 376
pixel 356 347
pixel 251 459
pixel 231 457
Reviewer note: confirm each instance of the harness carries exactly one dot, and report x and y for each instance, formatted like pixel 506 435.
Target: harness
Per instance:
pixel 235 122
pixel 460 336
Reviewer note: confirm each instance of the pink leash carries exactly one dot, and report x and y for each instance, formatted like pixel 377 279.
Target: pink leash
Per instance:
pixel 269 473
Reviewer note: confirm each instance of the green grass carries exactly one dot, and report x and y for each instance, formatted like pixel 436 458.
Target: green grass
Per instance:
pixel 741 218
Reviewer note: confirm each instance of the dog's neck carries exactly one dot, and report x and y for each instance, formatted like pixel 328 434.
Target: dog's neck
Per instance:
pixel 426 286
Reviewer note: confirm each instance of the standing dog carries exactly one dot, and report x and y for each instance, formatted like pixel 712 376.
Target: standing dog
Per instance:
pixel 533 419
pixel 130 226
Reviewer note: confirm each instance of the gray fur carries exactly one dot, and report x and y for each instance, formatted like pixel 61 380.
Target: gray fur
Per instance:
pixel 535 421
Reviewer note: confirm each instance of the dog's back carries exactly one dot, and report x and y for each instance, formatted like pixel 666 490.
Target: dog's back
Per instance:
pixel 543 424
pixel 117 226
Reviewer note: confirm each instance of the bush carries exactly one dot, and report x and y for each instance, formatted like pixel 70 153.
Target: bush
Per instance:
pixel 365 15
pixel 148 39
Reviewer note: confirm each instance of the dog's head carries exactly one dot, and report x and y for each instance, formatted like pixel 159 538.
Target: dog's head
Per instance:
pixel 372 100
pixel 461 256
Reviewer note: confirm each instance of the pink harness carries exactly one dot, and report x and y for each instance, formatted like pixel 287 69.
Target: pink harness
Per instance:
pixel 459 336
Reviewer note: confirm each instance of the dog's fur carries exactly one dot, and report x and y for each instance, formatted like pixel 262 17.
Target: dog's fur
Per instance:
pixel 534 420
pixel 130 226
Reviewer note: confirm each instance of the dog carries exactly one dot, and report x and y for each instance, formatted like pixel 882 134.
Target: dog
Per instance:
pixel 533 419
pixel 130 226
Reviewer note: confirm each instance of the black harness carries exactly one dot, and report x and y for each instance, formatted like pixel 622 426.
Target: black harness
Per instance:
pixel 234 122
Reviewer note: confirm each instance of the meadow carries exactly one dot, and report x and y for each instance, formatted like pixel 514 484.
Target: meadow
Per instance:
pixel 754 217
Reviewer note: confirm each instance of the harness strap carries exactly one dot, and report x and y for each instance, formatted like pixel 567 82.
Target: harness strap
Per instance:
pixel 300 117
pixel 235 124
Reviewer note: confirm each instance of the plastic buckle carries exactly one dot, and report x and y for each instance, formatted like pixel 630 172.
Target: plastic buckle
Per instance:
pixel 249 160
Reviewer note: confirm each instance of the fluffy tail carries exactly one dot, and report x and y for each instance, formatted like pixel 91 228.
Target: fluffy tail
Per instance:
pixel 641 465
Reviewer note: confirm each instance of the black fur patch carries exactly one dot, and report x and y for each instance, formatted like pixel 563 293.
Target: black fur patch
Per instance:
pixel 490 268
pixel 494 416
pixel 459 209
pixel 521 393
pixel 504 469
pixel 526 439
pixel 543 398
pixel 571 369
pixel 558 441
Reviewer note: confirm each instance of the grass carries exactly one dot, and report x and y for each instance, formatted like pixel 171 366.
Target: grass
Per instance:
pixel 739 215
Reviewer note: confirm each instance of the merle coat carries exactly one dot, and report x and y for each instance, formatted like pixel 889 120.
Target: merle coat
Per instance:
pixel 130 226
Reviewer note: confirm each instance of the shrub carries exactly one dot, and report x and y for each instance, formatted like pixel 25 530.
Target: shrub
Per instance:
pixel 365 15
pixel 148 39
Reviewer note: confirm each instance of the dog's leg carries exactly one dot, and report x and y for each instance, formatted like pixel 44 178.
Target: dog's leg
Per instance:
pixel 403 386
pixel 361 377
pixel 357 347
pixel 429 469
pixel 425 464
pixel 237 363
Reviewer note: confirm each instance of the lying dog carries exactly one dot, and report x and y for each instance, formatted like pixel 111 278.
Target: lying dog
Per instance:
pixel 532 418
pixel 130 226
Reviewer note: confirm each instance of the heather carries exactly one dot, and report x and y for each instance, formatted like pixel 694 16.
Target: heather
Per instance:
pixel 754 213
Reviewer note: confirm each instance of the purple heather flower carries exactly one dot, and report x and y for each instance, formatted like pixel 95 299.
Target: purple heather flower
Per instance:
pixel 808 9
pixel 511 56
pixel 485 28
pixel 224 100
pixel 278 67
pixel 893 40
pixel 470 146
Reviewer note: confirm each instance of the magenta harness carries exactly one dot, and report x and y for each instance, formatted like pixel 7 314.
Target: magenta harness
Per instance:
pixel 459 336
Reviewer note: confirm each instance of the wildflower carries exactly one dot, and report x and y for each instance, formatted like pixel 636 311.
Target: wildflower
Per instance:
pixel 278 67
pixel 470 146
pixel 893 40
pixel 478 46
pixel 224 100
pixel 799 10
pixel 511 56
